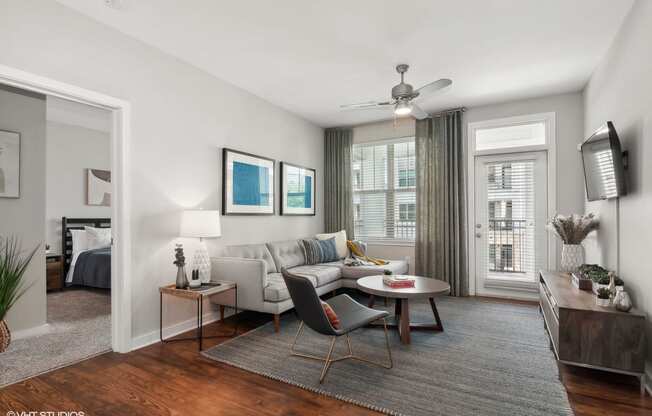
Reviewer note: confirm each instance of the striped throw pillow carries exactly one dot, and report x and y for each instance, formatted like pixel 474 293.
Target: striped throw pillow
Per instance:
pixel 311 251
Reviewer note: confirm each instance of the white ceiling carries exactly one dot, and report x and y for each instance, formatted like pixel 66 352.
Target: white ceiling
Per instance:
pixel 311 56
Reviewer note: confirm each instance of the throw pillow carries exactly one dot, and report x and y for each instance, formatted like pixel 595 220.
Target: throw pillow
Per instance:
pixel 340 242
pixel 98 237
pixel 330 313
pixel 311 251
pixel 328 250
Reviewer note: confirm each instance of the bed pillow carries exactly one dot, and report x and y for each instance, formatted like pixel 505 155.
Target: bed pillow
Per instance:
pixel 340 242
pixel 98 237
pixel 79 240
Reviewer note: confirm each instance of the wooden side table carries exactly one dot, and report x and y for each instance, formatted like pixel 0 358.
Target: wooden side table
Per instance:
pixel 214 290
pixel 54 272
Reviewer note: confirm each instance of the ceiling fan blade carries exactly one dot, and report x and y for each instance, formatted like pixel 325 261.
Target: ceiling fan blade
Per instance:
pixel 366 105
pixel 434 86
pixel 418 113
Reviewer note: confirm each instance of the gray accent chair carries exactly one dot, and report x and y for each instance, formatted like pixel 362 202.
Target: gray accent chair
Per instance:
pixel 256 268
pixel 351 314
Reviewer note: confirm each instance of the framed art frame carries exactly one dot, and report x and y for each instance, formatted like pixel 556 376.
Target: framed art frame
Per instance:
pixel 98 187
pixel 247 184
pixel 298 189
pixel 9 164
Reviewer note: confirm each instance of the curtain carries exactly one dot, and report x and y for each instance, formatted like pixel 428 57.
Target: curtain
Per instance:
pixel 338 183
pixel 440 242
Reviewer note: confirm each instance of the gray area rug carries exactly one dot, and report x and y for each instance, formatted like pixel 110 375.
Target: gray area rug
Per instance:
pixel 79 327
pixel 492 359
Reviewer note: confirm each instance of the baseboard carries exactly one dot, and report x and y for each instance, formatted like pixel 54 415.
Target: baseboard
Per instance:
pixel 153 337
pixel 30 332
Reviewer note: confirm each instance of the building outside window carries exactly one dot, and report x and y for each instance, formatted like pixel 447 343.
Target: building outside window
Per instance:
pixel 384 193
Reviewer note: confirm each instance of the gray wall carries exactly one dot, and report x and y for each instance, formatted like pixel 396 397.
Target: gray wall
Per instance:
pixel 620 90
pixel 70 150
pixel 181 118
pixel 25 217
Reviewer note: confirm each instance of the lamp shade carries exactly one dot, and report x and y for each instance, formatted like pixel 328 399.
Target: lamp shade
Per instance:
pixel 200 223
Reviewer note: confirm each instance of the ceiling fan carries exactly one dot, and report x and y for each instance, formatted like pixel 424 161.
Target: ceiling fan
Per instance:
pixel 403 96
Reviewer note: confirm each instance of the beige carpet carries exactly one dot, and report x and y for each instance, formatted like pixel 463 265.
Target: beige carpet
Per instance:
pixel 79 327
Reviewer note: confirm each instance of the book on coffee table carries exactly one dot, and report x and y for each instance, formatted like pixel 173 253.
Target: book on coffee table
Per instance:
pixel 398 281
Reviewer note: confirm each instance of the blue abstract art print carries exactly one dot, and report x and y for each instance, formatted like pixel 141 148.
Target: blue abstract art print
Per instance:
pixel 297 190
pixel 247 184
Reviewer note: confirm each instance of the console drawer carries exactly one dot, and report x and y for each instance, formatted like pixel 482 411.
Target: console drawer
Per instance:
pixel 549 315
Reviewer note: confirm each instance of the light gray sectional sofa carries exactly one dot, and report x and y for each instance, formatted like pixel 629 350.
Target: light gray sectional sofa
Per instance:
pixel 256 268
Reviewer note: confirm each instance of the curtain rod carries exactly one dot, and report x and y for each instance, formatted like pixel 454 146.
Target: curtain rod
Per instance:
pixel 452 110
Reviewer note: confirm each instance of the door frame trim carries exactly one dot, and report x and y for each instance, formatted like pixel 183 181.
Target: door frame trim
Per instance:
pixel 550 148
pixel 121 286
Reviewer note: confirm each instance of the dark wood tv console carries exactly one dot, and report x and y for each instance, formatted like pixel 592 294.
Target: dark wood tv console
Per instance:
pixel 584 334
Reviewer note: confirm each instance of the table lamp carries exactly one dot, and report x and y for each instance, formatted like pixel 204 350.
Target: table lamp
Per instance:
pixel 201 224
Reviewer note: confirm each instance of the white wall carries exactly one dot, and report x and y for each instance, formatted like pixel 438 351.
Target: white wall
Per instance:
pixel 620 90
pixel 24 217
pixel 70 150
pixel 568 109
pixel 391 129
pixel 181 118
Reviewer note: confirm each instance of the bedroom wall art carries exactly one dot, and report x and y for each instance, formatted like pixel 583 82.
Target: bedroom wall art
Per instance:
pixel 297 190
pixel 247 184
pixel 9 164
pixel 98 187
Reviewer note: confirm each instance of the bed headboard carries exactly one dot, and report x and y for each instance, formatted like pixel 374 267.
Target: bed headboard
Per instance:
pixel 68 224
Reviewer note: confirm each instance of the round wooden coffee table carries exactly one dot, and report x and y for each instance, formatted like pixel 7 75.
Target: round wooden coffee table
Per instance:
pixel 424 287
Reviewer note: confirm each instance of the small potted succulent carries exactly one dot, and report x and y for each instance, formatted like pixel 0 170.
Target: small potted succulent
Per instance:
pixel 603 298
pixel 388 272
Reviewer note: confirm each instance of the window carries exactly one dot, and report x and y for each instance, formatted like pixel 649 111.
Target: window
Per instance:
pixel 384 180
pixel 518 135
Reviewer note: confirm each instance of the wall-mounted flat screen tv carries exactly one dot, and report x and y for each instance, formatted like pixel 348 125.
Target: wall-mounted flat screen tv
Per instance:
pixel 604 171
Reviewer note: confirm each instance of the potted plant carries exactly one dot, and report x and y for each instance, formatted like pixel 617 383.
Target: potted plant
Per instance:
pixel 12 270
pixel 180 262
pixel 388 272
pixel 572 230
pixel 603 298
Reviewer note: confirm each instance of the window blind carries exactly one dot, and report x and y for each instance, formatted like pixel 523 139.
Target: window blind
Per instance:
pixel 384 198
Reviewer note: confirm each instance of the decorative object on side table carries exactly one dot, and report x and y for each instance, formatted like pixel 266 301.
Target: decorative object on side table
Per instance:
pixel 603 298
pixel 180 262
pixel 201 224
pixel 12 270
pixel 247 184
pixel 572 230
pixel 622 301
pixel 297 190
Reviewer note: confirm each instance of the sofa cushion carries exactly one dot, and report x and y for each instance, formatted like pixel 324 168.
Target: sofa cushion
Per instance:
pixel 276 291
pixel 321 273
pixel 356 272
pixel 340 242
pixel 286 254
pixel 252 251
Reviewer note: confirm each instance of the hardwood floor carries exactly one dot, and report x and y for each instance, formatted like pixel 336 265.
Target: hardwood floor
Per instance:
pixel 173 379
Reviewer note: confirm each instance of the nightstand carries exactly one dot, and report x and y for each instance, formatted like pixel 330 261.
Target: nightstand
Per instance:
pixel 222 293
pixel 54 272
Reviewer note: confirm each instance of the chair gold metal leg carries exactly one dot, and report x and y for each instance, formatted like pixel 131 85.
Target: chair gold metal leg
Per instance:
pixel 328 360
pixel 327 364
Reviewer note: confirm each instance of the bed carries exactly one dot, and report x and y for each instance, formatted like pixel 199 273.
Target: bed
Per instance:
pixel 86 263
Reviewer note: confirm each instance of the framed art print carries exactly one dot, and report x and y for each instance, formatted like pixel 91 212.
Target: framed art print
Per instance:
pixel 247 184
pixel 297 190
pixel 98 187
pixel 9 164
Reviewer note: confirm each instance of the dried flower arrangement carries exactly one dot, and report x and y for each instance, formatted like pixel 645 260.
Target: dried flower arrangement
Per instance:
pixel 573 229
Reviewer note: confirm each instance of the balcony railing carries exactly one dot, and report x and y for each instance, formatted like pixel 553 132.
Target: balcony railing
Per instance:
pixel 507 237
pixel 402 230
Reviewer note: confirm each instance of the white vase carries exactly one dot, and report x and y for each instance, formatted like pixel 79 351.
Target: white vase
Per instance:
pixel 572 257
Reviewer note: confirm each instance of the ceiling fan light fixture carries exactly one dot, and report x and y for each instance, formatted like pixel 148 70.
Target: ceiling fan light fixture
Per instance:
pixel 403 108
